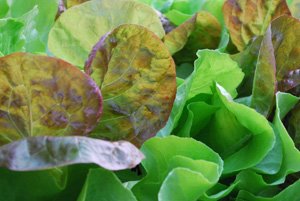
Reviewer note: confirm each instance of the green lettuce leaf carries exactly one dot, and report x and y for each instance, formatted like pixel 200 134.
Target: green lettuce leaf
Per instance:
pixel 37 16
pixel 247 19
pixel 113 190
pixel 79 28
pixel 211 66
pixel 11 36
pixel 136 75
pixel 180 165
pixel 29 186
pixel 291 155
pixel 231 129
pixel 291 193
pixel 253 182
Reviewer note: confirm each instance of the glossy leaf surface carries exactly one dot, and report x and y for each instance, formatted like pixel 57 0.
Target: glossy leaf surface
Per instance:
pixel 170 163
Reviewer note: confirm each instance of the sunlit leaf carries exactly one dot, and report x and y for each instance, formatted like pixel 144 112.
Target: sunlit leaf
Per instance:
pixel 79 28
pixel 37 153
pixel 181 165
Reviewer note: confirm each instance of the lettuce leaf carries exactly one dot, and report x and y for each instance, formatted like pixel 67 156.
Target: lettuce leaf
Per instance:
pixel 211 66
pixel 113 190
pixel 79 28
pixel 180 165
pixel 136 75
pixel 247 19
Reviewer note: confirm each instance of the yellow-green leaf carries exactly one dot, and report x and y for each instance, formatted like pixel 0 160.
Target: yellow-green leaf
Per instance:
pixel 79 28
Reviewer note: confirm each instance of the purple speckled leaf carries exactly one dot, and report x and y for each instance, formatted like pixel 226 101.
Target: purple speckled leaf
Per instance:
pixel 41 95
pixel 136 75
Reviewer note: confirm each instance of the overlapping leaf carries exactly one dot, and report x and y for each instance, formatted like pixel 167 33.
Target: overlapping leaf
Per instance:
pixel 36 16
pixel 45 96
pixel 264 83
pixel 291 193
pixel 211 66
pixel 43 152
pixel 294 126
pixel 79 28
pixel 136 74
pixel 291 156
pixel 285 38
pixel 180 165
pixel 231 129
pixel 113 190
pixel 247 19
pixel 202 31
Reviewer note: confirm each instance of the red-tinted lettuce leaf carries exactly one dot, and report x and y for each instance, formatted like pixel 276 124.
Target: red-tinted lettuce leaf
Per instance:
pixel 136 75
pixel 247 19
pixel 41 95
pixel 202 31
pixel 264 84
pixel 281 42
pixel 247 60
pixel 37 153
pixel 286 42
pixel 79 28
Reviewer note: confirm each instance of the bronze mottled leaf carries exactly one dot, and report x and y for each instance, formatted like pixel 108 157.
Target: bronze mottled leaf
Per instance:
pixel 286 42
pixel 136 75
pixel 247 19
pixel 41 95
pixel 264 83
pixel 202 31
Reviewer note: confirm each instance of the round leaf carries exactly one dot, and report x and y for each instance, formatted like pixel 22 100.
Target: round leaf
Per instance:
pixel 80 27
pixel 136 74
pixel 45 96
